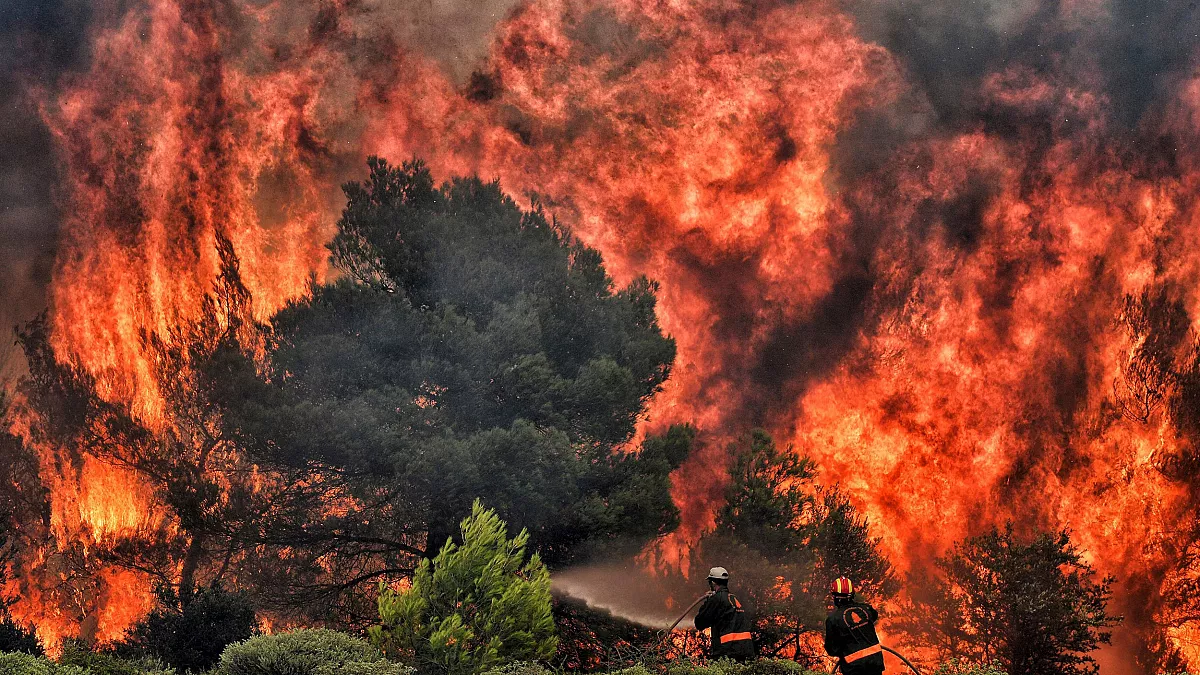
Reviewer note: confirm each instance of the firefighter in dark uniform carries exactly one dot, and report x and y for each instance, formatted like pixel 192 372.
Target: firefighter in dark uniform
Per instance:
pixel 850 632
pixel 724 614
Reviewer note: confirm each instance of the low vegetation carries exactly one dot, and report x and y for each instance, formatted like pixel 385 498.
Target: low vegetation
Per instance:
pixel 482 606
pixel 312 651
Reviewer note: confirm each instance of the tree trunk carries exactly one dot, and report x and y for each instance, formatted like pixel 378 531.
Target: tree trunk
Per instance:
pixel 191 562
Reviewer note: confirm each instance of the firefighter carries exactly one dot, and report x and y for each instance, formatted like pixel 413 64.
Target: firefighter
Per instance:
pixel 850 632
pixel 724 614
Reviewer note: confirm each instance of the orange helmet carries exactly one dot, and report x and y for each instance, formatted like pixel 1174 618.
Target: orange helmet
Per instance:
pixel 843 587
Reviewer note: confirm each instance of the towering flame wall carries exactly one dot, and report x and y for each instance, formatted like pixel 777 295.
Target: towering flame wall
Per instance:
pixel 913 270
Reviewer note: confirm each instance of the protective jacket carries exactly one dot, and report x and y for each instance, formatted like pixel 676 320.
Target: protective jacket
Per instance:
pixel 850 636
pixel 730 624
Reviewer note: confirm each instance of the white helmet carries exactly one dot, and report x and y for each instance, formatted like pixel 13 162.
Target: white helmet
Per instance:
pixel 719 573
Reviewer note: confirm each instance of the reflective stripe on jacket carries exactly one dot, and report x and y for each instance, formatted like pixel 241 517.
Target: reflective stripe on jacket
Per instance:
pixel 850 636
pixel 730 624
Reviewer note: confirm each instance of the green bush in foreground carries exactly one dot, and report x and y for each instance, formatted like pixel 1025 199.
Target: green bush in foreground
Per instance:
pixel 77 660
pixel 964 668
pixel 520 668
pixel 306 652
pixel 473 607
pixel 17 663
pixel 81 658
pixel 727 667
pixel 25 664
pixel 633 670
pixel 777 667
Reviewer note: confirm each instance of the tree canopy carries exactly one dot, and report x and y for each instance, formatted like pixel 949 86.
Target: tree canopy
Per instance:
pixel 466 348
pixel 1032 607
pixel 470 349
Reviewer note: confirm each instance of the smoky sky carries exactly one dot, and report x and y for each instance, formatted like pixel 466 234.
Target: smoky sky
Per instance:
pixel 39 41
pixel 1136 48
pixel 1133 54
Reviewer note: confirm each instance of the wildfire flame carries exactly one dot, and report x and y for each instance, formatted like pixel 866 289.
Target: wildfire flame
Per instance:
pixel 929 309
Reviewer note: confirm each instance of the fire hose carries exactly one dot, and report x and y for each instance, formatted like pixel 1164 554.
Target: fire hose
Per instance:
pixel 667 633
pixel 702 598
pixel 901 657
pixel 892 652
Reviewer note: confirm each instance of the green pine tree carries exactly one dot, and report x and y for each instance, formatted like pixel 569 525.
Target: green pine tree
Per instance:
pixel 473 606
pixel 1030 606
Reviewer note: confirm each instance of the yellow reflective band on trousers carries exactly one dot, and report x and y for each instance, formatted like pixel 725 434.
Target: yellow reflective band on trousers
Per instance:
pixel 863 653
pixel 734 637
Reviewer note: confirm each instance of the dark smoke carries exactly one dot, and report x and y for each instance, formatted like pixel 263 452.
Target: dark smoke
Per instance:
pixel 39 41
pixel 1143 50
pixel 1132 53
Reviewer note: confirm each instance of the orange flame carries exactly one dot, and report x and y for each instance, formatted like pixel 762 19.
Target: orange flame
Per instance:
pixel 937 328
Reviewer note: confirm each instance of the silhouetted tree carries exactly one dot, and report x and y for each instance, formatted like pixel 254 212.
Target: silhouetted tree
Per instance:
pixel 14 638
pixel 786 539
pixel 1032 607
pixel 190 637
pixel 24 524
pixel 195 471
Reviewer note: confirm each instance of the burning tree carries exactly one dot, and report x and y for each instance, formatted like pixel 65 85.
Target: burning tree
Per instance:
pixel 22 523
pixel 198 492
pixel 1032 607
pixel 788 539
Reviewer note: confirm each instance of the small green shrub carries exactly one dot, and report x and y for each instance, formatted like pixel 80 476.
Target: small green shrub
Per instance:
pixel 728 667
pixel 689 667
pixel 965 668
pixel 520 668
pixel 152 667
pixel 306 652
pixel 191 635
pixel 474 606
pixel 635 670
pixel 28 664
pixel 25 664
pixel 370 668
pixel 78 657
pixel 777 667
